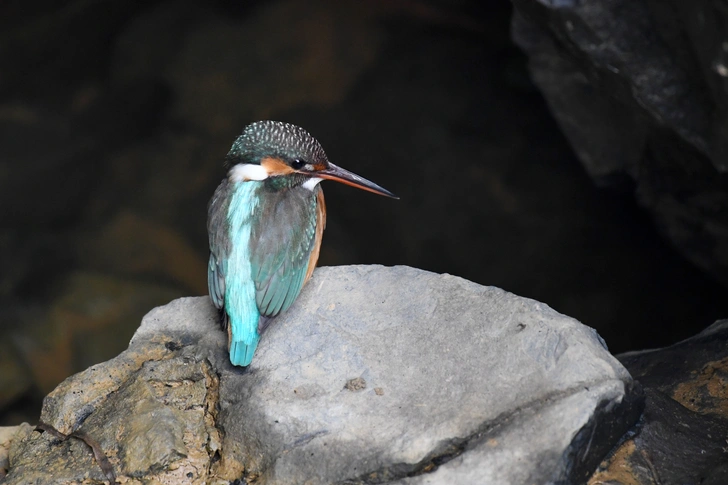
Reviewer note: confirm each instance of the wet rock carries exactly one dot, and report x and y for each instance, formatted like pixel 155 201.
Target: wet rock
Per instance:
pixel 375 374
pixel 682 436
pixel 640 89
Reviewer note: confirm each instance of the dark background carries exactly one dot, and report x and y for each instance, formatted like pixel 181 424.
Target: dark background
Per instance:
pixel 115 118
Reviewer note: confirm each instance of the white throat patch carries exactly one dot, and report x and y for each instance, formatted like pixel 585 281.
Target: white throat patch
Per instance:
pixel 243 172
pixel 311 183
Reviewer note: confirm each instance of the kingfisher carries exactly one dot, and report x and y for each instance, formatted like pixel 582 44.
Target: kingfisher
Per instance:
pixel 265 223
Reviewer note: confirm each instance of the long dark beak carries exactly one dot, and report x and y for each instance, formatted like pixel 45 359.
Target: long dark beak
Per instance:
pixel 332 172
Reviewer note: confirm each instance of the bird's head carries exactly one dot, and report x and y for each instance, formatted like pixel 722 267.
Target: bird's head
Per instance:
pixel 289 155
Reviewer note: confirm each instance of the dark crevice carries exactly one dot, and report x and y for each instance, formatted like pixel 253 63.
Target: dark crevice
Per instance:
pixel 579 461
pixel 212 408
pixel 92 443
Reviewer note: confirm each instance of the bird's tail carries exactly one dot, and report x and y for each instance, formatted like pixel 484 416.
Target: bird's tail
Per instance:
pixel 243 331
pixel 241 352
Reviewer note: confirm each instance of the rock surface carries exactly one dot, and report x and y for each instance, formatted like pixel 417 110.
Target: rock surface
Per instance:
pixel 8 434
pixel 375 375
pixel 640 89
pixel 683 435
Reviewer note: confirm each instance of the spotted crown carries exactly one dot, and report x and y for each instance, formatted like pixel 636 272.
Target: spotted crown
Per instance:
pixel 275 139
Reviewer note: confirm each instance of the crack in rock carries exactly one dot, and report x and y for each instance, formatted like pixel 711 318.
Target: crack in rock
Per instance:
pixel 486 434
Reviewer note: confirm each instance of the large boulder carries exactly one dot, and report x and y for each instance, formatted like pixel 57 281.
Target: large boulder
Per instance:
pixel 374 375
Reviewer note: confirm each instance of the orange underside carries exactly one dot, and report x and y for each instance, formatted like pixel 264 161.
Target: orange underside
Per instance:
pixel 320 226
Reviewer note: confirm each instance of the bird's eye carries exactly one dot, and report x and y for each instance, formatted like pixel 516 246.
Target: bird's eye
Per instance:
pixel 298 164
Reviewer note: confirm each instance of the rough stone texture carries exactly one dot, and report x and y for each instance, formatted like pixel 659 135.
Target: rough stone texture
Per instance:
pixel 151 410
pixel 640 88
pixel 8 434
pixel 375 375
pixel 683 434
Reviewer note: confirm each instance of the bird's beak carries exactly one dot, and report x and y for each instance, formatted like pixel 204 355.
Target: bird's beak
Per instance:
pixel 332 172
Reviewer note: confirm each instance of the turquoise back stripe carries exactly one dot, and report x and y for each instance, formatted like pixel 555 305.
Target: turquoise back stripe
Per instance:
pixel 240 301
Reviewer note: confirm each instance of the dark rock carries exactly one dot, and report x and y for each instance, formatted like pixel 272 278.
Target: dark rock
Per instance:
pixel 640 88
pixel 682 436
pixel 374 375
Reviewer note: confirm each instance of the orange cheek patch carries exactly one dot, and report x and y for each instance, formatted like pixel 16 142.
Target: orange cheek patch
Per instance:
pixel 275 166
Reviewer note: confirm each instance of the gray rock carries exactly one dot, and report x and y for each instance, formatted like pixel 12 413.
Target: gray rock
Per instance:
pixel 544 436
pixel 375 375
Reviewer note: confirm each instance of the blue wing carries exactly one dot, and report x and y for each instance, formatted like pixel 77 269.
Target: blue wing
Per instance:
pixel 216 282
pixel 285 248
pixel 218 232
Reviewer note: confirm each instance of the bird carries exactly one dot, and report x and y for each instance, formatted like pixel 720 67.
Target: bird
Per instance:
pixel 265 223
